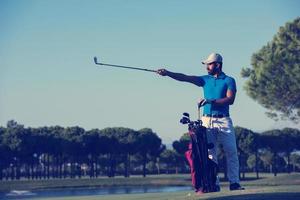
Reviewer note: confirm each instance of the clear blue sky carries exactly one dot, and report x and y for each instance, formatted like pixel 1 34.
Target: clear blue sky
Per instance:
pixel 47 76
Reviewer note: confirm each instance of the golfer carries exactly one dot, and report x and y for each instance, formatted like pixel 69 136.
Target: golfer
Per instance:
pixel 219 94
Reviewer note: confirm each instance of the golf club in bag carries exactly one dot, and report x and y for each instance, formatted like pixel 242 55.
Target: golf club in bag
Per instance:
pixel 203 169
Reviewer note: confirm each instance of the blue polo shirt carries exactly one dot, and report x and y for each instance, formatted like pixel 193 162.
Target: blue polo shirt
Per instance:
pixel 216 88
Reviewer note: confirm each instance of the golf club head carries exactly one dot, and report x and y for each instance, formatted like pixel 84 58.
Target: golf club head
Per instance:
pixel 186 114
pixel 184 120
pixel 95 60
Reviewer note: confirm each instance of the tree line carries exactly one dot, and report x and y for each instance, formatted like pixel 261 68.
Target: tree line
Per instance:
pixel 58 152
pixel 72 152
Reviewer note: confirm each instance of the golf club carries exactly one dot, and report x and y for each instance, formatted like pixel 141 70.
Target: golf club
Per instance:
pixel 120 66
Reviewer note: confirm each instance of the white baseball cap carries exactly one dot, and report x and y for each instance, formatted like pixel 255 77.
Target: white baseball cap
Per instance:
pixel 213 57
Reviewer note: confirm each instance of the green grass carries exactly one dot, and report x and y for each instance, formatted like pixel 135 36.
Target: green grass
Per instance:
pixel 258 193
pixel 169 180
pixel 157 180
pixel 283 186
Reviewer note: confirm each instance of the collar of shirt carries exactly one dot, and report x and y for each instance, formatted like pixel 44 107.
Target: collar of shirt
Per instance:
pixel 222 75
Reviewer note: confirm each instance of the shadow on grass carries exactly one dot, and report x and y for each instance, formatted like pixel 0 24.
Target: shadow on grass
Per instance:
pixel 263 196
pixel 226 180
pixel 244 179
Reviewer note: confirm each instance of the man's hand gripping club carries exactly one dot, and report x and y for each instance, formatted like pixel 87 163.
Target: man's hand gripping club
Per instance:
pixel 203 102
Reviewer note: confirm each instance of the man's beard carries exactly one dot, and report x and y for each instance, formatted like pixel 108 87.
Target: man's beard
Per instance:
pixel 213 72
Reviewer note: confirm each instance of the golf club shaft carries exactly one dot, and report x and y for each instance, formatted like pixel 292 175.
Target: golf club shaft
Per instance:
pixel 121 66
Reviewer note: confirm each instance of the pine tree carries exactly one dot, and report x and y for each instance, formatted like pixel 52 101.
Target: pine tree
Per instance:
pixel 274 80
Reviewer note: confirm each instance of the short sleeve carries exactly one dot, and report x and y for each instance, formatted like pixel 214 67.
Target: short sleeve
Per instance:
pixel 231 84
pixel 202 80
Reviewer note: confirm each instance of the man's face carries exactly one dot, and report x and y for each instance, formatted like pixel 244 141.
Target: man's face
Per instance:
pixel 212 68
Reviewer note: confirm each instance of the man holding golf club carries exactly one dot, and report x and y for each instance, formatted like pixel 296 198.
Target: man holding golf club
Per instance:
pixel 219 94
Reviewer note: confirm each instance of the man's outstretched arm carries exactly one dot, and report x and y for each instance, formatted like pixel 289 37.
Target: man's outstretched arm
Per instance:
pixel 181 77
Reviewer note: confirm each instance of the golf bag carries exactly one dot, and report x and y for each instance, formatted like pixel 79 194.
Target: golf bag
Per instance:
pixel 203 170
